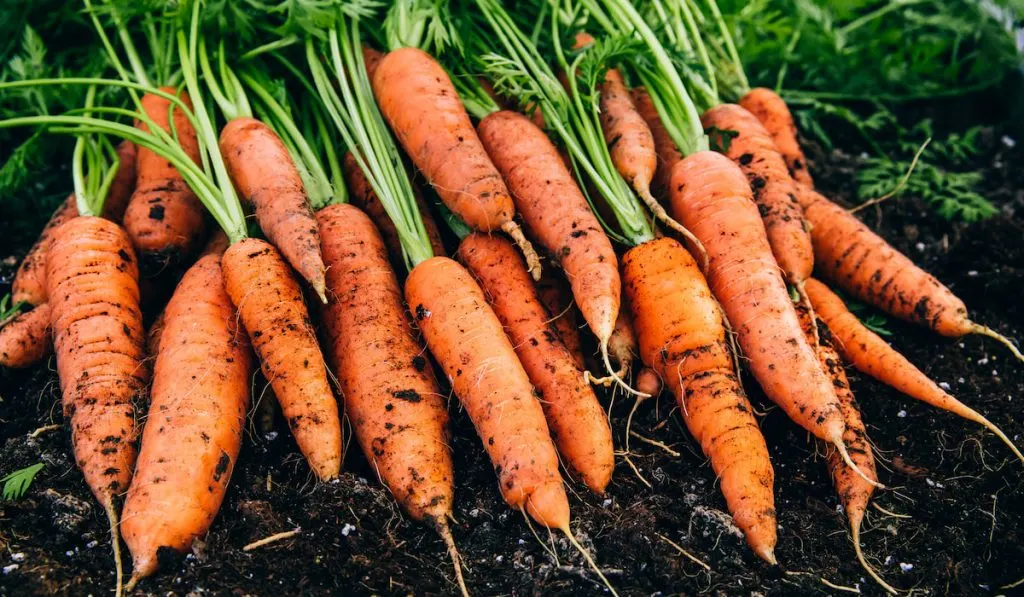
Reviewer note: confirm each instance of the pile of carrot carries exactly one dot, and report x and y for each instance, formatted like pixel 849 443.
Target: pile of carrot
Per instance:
pixel 665 251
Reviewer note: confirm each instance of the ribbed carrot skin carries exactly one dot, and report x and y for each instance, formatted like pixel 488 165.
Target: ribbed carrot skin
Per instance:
pixel 164 218
pixel 469 343
pixel 578 423
pixel 92 282
pixel 630 142
pixel 667 152
pixel 556 296
pixel 711 197
pixel 263 171
pixel 420 103
pixel 25 340
pixel 29 284
pixel 270 305
pixel 682 338
pixel 557 214
pixel 398 413
pixel 774 114
pixel 362 196
pixel 773 187
pixel 865 265
pixel 196 420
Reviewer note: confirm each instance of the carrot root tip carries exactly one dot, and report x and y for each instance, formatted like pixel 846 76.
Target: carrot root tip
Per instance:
pixel 841 446
pixel 615 376
pixel 768 555
pixel 590 560
pixel 855 531
pixel 115 542
pixel 512 229
pixel 987 331
pixel 446 535
pixel 662 216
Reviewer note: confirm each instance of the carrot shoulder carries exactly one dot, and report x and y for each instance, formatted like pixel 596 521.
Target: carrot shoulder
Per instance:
pixel 398 414
pixel 682 337
pixel 193 433
pixel 774 114
pixel 469 343
pixel 25 340
pixel 265 175
pixel 577 422
pixel 270 304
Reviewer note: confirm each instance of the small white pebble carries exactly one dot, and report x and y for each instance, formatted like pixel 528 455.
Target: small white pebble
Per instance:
pixel 934 484
pixel 499 559
pixel 973 273
pixel 888 560
pixel 474 512
pixel 91 544
pixel 906 567
pixel 960 380
pixel 902 414
pixel 995 373
pixel 1008 141
pixel 961 344
pixel 9 569
pixel 69 553
pixel 18 557
pixel 361 481
pixel 919 246
pixel 345 530
pixel 983 361
pixel 271 436
pixel 607 502
pixel 521 542
pixel 944 385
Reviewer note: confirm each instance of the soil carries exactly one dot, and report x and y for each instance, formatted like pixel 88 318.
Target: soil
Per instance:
pixel 956 499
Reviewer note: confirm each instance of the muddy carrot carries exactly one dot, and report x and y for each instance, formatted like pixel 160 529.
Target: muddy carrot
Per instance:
pixel 556 296
pixel 774 114
pixel 668 154
pixel 25 340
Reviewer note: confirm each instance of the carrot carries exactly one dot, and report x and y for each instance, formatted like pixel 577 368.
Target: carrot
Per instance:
pixel 398 414
pixel 420 103
pixel 711 196
pixel 92 285
pixel 774 189
pixel 623 345
pixel 870 354
pixel 164 218
pixel 270 305
pixel 363 197
pixel 556 296
pixel 854 492
pixel 557 214
pixel 25 340
pixel 154 333
pixel 196 419
pixel 29 284
pixel 649 382
pixel 865 265
pixel 668 154
pixel 266 176
pixel 574 415
pixel 470 345
pixel 773 113
pixel 682 338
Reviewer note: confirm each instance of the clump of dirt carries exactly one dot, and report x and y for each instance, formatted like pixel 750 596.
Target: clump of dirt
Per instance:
pixel 958 493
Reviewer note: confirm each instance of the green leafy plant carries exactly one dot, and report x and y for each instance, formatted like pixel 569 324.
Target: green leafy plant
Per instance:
pixel 952 194
pixel 9 311
pixel 873 320
pixel 18 482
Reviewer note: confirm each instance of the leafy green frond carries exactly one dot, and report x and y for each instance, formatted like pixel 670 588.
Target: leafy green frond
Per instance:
pixel 9 311
pixel 17 483
pixel 953 195
pixel 426 24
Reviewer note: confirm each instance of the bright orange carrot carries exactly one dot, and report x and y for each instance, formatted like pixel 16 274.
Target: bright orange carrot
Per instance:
pixel 363 197
pixel 577 422
pixel 92 285
pixel 265 175
pixel 557 214
pixel 773 112
pixel 711 196
pixel 154 333
pixel 623 345
pixel 25 340
pixel 870 354
pixel 682 337
pixel 270 304
pixel 398 414
pixel 556 296
pixel 164 218
pixel 420 103
pixel 668 154
pixel 774 189
pixel 469 343
pixel 29 284
pixel 196 419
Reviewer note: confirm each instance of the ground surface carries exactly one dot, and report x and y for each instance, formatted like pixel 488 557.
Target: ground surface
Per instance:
pixel 960 494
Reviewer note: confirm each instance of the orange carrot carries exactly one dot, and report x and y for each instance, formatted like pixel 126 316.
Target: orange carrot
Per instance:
pixel 398 414
pixel 623 345
pixel 265 175
pixel 29 284
pixel 772 111
pixel 470 345
pixel 558 215
pixel 649 382
pixel 668 154
pixel 92 285
pixel 25 340
pixel 196 419
pixel 774 189
pixel 711 196
pixel 870 354
pixel 682 338
pixel 164 218
pixel 154 333
pixel 270 304
pixel 362 196
pixel 577 422
pixel 420 103
pixel 556 296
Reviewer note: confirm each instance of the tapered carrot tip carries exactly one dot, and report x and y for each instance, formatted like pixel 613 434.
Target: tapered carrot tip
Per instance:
pixel 767 553
pixel 549 505
pixel 987 331
pixel 841 446
pixel 529 254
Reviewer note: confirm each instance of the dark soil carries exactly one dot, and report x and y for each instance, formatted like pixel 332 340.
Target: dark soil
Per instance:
pixel 957 490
